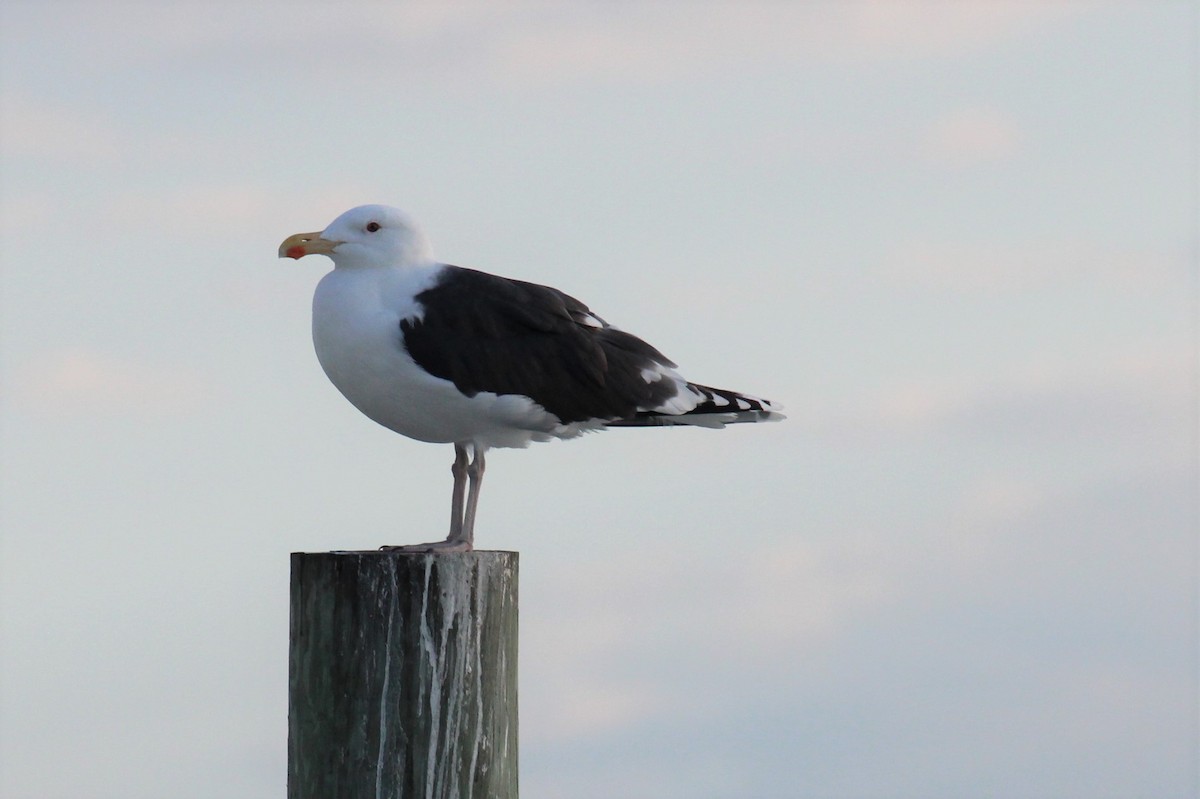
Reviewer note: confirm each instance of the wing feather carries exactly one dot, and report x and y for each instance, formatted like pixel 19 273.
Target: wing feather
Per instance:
pixel 489 333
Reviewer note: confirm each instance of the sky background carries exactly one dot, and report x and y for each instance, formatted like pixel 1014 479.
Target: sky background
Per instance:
pixel 957 241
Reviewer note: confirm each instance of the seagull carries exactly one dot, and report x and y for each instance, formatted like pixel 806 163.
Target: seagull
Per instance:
pixel 451 355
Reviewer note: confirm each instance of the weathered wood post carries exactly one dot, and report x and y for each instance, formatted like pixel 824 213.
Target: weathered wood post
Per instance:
pixel 403 676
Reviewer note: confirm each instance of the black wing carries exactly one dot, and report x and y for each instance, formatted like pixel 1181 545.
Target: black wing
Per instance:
pixel 488 333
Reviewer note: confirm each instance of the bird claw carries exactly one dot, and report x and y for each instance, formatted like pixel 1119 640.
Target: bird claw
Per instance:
pixel 433 548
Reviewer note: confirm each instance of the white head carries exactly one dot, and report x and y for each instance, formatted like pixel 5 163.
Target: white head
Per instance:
pixel 369 235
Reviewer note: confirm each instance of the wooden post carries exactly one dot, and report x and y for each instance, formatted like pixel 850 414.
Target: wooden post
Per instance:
pixel 403 676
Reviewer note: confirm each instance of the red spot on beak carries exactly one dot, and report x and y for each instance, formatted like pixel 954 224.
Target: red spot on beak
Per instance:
pixel 295 251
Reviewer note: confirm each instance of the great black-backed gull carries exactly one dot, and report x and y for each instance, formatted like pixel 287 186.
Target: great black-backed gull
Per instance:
pixel 450 355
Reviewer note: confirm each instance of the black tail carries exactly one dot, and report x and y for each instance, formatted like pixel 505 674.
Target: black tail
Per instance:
pixel 717 408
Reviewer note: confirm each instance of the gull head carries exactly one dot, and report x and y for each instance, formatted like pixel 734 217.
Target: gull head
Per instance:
pixel 369 235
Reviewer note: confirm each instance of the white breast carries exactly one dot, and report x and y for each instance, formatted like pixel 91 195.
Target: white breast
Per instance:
pixel 356 332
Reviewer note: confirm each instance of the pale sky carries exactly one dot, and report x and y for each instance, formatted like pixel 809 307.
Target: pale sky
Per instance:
pixel 957 241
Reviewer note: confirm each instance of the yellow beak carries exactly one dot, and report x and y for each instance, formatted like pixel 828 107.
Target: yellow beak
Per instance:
pixel 303 244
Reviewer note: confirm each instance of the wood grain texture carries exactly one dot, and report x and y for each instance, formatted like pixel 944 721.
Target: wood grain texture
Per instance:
pixel 403 676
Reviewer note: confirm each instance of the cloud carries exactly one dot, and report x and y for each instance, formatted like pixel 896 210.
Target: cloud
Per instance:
pixel 26 211
pixel 533 43
pixel 198 211
pixel 1138 393
pixel 1005 267
pixel 630 43
pixel 83 381
pixel 970 136
pixel 226 207
pixel 779 602
pixel 588 704
pixel 943 30
pixel 46 132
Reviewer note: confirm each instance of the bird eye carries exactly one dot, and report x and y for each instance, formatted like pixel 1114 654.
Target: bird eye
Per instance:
pixel 372 227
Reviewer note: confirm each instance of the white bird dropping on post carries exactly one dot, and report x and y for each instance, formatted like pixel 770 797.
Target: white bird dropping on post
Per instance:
pixel 450 355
